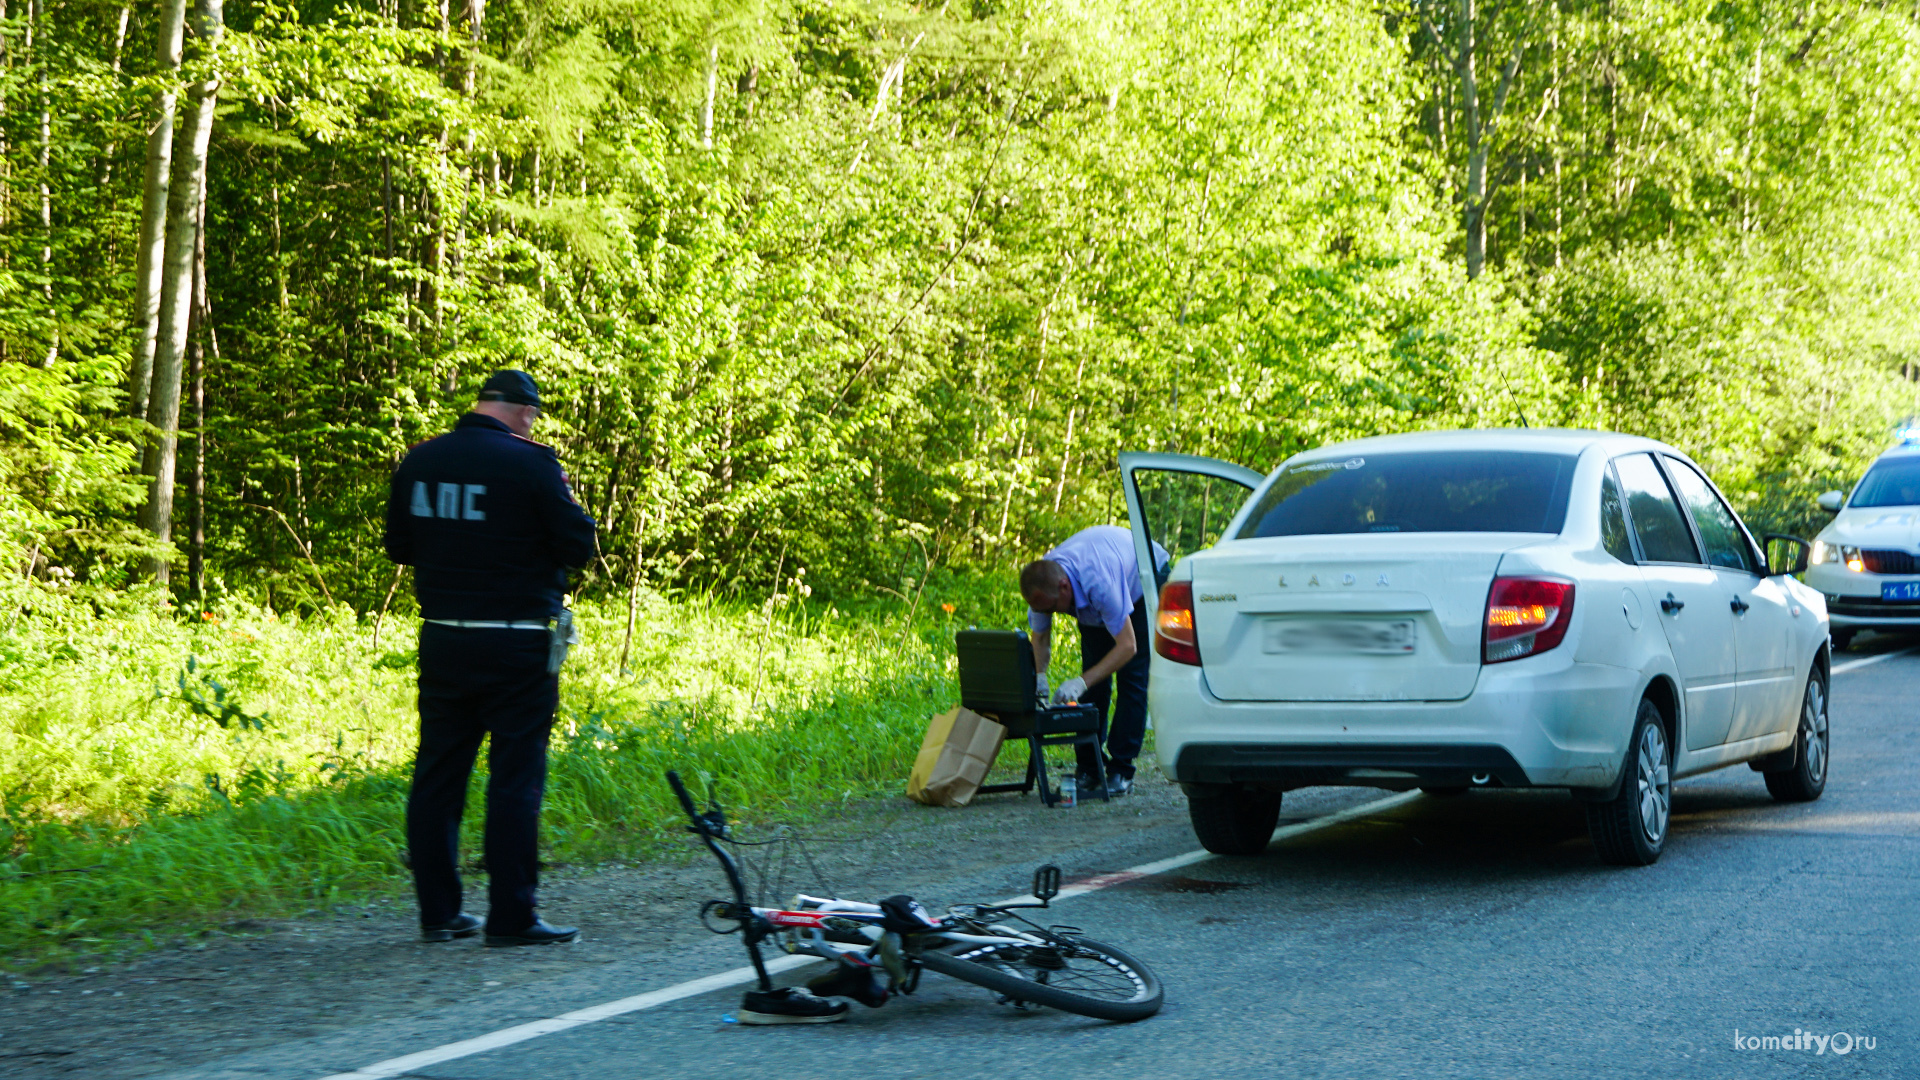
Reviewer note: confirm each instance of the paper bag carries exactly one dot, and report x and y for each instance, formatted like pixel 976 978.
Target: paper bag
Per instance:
pixel 954 758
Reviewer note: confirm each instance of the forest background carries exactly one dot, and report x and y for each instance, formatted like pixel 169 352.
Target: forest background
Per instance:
pixel 842 307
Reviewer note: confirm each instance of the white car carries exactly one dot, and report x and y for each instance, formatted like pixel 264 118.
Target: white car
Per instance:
pixel 1864 562
pixel 1449 610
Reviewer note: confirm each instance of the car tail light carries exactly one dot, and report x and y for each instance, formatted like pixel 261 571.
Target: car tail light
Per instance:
pixel 1526 615
pixel 1173 635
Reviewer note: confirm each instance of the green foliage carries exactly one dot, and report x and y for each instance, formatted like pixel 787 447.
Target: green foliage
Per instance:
pixel 855 295
pixel 207 696
pixel 121 808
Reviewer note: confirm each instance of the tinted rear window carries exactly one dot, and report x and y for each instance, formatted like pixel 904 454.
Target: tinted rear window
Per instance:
pixel 1890 483
pixel 1444 491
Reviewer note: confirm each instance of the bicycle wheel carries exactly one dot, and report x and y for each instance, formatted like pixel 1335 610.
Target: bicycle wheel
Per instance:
pixel 1080 976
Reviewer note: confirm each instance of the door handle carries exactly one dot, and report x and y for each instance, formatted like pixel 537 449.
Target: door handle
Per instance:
pixel 1670 605
pixel 1739 606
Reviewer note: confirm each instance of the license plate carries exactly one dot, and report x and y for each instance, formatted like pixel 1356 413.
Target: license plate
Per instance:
pixel 1900 591
pixel 1351 636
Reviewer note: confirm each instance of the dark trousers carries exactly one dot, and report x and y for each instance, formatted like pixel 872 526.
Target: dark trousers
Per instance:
pixel 477 683
pixel 1128 726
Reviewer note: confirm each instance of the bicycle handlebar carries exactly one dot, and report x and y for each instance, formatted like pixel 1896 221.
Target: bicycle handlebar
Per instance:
pixel 686 800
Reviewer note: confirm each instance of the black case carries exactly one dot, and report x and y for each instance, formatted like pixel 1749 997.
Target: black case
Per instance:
pixel 997 680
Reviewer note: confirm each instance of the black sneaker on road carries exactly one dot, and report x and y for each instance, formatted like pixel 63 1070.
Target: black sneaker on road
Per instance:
pixel 790 1005
pixel 1118 785
pixel 854 978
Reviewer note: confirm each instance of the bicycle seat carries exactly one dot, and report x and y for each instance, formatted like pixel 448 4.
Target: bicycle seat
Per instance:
pixel 904 915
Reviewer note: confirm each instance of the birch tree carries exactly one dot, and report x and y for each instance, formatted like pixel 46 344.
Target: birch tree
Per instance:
pixel 186 189
pixel 1469 118
pixel 153 206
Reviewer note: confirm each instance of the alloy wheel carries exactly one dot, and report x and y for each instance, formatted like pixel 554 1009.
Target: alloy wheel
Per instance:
pixel 1813 730
pixel 1655 783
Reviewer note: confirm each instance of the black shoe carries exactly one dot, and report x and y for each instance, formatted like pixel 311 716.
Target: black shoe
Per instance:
pixel 853 978
pixel 1118 785
pixel 461 925
pixel 537 934
pixel 789 1005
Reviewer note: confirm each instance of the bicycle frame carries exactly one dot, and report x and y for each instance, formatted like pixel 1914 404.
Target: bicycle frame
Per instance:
pixel 812 918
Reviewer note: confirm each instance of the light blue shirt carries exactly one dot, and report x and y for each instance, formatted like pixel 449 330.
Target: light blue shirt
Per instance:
pixel 1104 575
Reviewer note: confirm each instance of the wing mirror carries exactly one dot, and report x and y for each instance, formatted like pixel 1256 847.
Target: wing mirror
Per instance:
pixel 1830 502
pixel 1786 554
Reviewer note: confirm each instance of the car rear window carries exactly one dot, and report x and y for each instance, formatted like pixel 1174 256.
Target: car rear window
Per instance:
pixel 1441 491
pixel 1890 483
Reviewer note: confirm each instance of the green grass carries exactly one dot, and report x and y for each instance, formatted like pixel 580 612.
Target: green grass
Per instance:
pixel 160 773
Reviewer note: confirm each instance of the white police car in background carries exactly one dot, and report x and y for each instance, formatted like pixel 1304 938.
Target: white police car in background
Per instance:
pixel 1450 610
pixel 1865 561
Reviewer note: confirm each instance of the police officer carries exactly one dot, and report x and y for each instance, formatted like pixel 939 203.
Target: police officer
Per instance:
pixel 486 518
pixel 1094 576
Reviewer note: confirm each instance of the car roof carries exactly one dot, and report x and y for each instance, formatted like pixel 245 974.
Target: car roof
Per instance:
pixel 1538 440
pixel 1902 450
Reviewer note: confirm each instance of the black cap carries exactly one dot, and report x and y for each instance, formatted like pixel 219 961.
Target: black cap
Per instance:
pixel 511 386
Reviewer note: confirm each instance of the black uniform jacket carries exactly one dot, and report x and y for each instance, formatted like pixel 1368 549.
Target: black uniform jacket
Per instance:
pixel 488 522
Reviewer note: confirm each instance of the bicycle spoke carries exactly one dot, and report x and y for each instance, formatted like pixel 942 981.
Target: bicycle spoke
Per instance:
pixel 1091 975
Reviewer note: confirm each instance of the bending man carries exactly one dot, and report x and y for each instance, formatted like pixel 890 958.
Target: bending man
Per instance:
pixel 1095 577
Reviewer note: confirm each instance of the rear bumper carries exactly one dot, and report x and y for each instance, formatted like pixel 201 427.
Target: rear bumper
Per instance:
pixel 1301 765
pixel 1540 722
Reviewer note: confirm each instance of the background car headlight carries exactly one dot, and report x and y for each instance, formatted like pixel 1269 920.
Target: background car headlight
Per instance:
pixel 1824 552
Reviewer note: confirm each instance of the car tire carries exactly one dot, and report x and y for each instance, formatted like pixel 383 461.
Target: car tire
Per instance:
pixel 1234 820
pixel 1446 791
pixel 1841 639
pixel 1631 828
pixel 1805 781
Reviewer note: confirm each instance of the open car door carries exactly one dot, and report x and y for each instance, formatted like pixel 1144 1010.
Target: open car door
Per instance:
pixel 1182 503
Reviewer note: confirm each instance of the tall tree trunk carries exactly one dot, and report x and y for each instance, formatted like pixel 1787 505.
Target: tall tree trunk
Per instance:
pixel 6 158
pixel 103 176
pixel 153 208
pixel 36 14
pixel 186 190
pixel 201 329
pixel 477 32
pixel 706 111
pixel 1475 208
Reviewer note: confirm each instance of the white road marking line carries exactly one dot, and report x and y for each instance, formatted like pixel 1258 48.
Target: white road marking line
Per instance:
pixel 392 1067
pixel 1865 660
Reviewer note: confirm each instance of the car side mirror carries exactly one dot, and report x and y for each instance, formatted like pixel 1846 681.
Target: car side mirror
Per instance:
pixel 1786 554
pixel 1830 502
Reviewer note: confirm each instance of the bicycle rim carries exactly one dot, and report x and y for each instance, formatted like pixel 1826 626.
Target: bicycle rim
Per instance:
pixel 1081 976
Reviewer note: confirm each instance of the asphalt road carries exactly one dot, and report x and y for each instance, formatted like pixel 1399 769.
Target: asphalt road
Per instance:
pixel 1472 937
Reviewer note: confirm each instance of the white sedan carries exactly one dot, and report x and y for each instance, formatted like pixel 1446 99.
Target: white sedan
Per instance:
pixel 1867 562
pixel 1451 610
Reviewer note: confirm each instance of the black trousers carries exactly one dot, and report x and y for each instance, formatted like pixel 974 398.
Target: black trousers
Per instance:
pixel 1128 727
pixel 473 684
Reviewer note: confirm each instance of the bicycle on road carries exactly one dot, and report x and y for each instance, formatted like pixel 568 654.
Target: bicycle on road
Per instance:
pixel 880 949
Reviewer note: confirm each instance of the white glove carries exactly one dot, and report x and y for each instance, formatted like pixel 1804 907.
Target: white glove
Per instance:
pixel 1072 690
pixel 1040 687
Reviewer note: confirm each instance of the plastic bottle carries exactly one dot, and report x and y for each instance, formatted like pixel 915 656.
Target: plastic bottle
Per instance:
pixel 1069 793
